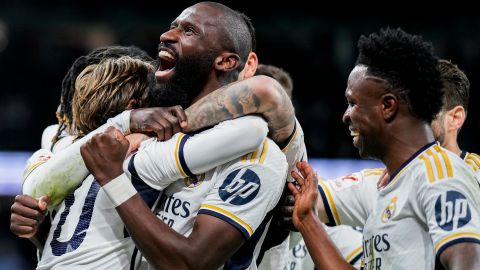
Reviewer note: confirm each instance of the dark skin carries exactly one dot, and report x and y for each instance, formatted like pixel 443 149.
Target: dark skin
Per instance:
pixel 195 29
pixel 305 218
pixel 102 155
pixel 232 101
pixel 372 112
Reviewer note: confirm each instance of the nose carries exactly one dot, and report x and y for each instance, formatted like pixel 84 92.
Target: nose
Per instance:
pixel 346 116
pixel 169 36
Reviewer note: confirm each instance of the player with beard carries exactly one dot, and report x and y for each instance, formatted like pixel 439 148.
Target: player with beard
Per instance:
pixel 226 209
pixel 250 91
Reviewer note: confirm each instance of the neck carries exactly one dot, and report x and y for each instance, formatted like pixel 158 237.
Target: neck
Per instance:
pixel 404 141
pixel 211 85
pixel 450 142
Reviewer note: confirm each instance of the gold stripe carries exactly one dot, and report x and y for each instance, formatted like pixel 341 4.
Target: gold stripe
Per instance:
pixel 470 162
pixel 254 155
pixel 354 253
pixel 437 163
pixel 244 158
pixel 457 235
pixel 31 169
pixel 446 159
pixel 177 160
pixel 331 203
pixel 475 155
pixel 291 140
pixel 474 159
pixel 428 165
pixel 230 215
pixel 373 173
pixel 264 151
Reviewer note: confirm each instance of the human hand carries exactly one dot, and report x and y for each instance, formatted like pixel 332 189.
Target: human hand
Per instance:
pixel 135 139
pixel 306 195
pixel 104 154
pixel 163 122
pixel 27 214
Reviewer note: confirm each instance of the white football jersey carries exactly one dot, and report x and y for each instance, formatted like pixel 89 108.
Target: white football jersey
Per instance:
pixel 347 240
pixel 242 192
pixel 473 160
pixel 276 256
pixel 87 229
pixel 430 204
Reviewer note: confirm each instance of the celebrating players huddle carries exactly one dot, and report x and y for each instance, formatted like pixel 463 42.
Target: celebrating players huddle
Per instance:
pixel 131 180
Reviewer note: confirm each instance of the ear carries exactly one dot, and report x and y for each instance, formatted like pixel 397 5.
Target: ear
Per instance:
pixel 132 104
pixel 389 106
pixel 455 118
pixel 226 62
pixel 250 67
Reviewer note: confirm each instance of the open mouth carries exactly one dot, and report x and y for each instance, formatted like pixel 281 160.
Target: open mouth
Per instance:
pixel 166 65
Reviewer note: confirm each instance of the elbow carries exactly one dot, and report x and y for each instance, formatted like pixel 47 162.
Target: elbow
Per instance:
pixel 268 91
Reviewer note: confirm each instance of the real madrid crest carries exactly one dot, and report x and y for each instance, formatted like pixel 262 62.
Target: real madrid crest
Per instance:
pixel 194 181
pixel 389 211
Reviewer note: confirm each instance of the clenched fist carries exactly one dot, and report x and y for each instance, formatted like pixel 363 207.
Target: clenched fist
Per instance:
pixel 104 154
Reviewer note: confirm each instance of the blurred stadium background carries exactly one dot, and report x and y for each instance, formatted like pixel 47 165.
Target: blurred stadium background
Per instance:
pixel 317 45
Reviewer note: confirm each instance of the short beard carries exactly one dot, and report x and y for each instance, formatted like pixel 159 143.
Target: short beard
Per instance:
pixel 191 75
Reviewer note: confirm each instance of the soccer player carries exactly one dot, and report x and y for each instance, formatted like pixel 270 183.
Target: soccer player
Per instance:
pixel 389 118
pixel 245 90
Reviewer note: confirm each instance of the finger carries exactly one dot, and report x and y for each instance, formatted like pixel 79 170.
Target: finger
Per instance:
pixel 26 200
pixel 159 131
pixel 173 121
pixel 43 203
pixel 305 169
pixel 298 178
pixel 167 126
pixel 293 189
pixel 180 114
pixel 286 210
pixel 28 212
pixel 23 231
pixel 23 221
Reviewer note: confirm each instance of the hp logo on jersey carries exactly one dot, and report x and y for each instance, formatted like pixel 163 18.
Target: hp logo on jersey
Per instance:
pixel 240 187
pixel 452 210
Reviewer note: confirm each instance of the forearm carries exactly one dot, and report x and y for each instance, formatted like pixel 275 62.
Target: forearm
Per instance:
pixel 60 175
pixel 322 250
pixel 461 256
pixel 161 245
pixel 257 95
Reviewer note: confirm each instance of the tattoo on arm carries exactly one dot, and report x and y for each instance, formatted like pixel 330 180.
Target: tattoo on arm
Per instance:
pixel 239 99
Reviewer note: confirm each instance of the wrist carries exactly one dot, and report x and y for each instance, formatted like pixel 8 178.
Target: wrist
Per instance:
pixel 105 178
pixel 119 190
pixel 309 222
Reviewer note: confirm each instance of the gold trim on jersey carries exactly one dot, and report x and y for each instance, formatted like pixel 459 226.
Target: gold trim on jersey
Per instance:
pixel 435 170
pixel 177 158
pixel 354 253
pixel 253 156
pixel 373 171
pixel 228 214
pixel 330 202
pixel 473 160
pixel 454 237
pixel 31 168
pixel 285 149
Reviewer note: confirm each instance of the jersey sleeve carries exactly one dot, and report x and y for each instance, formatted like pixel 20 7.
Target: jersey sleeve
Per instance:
pixel 295 150
pixel 350 199
pixel 66 170
pixel 247 191
pixel 451 207
pixel 473 160
pixel 160 163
